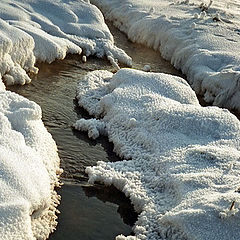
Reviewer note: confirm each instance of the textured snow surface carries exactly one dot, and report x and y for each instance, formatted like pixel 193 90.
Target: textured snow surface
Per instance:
pixel 203 44
pixel 2 86
pixel 46 30
pixel 181 161
pixel 29 171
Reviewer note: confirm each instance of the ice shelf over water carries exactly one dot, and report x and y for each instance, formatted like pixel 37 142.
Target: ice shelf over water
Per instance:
pixel 45 30
pixel 29 171
pixel 181 161
pixel 199 37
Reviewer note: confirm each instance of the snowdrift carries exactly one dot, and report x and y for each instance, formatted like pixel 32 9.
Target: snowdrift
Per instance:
pixel 30 31
pixel 45 30
pixel 181 161
pixel 29 170
pixel 200 40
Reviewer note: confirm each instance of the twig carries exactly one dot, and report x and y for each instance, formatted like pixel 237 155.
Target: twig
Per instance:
pixel 232 206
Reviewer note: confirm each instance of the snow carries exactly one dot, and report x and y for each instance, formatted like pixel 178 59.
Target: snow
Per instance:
pixel 197 37
pixel 84 59
pixel 181 162
pixel 30 170
pixel 30 31
pixel 146 68
pixel 2 86
pixel 45 30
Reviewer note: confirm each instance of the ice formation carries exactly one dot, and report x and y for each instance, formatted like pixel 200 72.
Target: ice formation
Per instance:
pixel 30 31
pixel 146 68
pixel 29 170
pixel 45 30
pixel 199 39
pixel 181 161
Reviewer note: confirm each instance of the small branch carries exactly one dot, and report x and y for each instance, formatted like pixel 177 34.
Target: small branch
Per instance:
pixel 205 7
pixel 232 206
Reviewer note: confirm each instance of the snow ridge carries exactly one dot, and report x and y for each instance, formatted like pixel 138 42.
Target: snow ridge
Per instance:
pixel 45 30
pixel 201 43
pixel 181 161
pixel 30 171
pixel 30 31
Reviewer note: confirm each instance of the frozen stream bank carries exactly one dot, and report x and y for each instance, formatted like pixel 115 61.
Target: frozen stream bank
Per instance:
pixel 183 170
pixel 54 90
pixel 200 40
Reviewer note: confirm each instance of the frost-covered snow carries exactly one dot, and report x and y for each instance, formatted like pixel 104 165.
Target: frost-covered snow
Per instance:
pixel 30 31
pixel 29 171
pixel 203 44
pixel 46 30
pixel 2 86
pixel 181 161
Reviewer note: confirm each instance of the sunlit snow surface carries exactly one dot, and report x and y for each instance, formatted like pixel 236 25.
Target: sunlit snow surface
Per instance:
pixel 46 30
pixel 181 167
pixel 203 44
pixel 30 31
pixel 29 168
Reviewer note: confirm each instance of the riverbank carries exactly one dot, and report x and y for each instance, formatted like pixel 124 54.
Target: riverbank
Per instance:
pixel 180 163
pixel 33 31
pixel 75 149
pixel 201 41
pixel 215 151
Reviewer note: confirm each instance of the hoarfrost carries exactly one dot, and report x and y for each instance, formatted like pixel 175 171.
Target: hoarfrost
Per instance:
pixel 30 170
pixel 200 42
pixel 176 154
pixel 46 30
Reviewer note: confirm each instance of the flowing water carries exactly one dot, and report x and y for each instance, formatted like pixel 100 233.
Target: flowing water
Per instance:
pixel 87 211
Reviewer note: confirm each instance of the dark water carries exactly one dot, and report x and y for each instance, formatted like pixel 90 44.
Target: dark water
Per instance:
pixel 94 213
pixel 87 211
pixel 142 55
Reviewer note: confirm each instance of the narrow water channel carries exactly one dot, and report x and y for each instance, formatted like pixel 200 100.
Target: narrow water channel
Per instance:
pixel 87 211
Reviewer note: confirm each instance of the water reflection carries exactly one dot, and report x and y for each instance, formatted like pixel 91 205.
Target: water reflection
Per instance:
pixel 141 54
pixel 54 89
pixel 93 213
pixel 86 212
pixel 112 195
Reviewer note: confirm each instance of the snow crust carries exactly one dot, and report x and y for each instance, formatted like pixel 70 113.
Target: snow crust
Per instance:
pixel 202 41
pixel 45 30
pixel 29 171
pixel 181 161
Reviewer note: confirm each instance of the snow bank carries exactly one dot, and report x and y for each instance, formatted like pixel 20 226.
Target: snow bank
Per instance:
pixel 46 30
pixel 2 86
pixel 201 43
pixel 181 161
pixel 29 170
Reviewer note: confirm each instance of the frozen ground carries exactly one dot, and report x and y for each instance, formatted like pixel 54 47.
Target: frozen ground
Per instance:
pixel 45 30
pixel 29 170
pixel 181 161
pixel 201 42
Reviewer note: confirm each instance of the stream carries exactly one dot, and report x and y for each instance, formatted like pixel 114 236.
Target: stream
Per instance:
pixel 87 211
